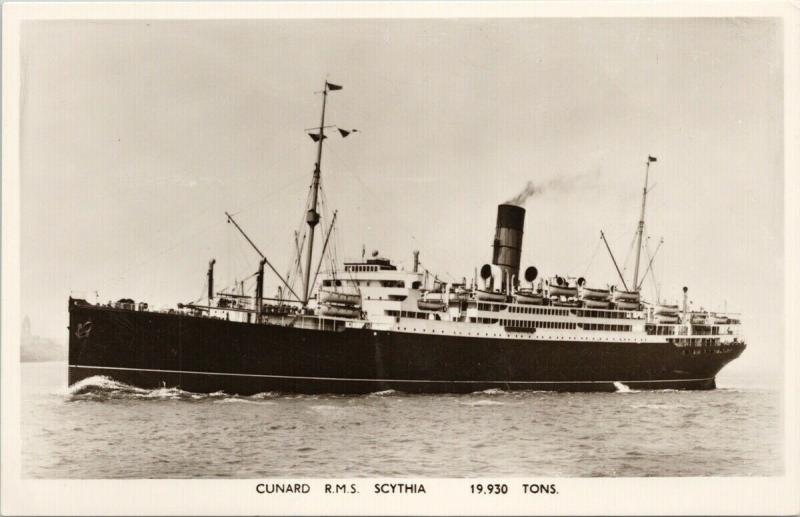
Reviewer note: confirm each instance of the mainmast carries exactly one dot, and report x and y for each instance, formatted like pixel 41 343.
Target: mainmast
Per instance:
pixel 640 230
pixel 312 216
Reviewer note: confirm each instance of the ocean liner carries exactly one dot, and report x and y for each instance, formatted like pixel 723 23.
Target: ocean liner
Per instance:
pixel 366 326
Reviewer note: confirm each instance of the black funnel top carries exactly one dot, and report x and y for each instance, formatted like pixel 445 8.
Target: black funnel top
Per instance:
pixel 510 216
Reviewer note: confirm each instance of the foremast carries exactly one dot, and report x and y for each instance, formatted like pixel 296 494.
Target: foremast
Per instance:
pixel 312 216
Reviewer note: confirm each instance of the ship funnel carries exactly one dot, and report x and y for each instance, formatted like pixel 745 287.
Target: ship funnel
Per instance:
pixel 508 242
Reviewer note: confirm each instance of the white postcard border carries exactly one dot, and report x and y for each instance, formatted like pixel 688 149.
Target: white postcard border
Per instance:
pixel 622 496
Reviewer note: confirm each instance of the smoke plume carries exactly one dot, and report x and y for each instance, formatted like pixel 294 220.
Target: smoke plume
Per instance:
pixel 558 184
pixel 527 191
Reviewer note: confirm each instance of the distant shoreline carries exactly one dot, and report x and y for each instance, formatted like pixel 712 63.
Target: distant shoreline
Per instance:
pixel 35 349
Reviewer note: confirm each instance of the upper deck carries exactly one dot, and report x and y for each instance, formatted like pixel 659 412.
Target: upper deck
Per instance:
pixel 389 295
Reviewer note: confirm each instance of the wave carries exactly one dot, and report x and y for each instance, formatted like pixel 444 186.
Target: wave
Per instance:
pixel 266 395
pixel 384 393
pixel 241 400
pixel 623 388
pixel 98 385
pixel 484 402
pixel 491 391
pixel 101 388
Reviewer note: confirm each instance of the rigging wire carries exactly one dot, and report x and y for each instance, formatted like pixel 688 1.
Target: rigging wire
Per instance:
pixel 204 229
pixel 332 251
pixel 591 260
pixel 202 293
pixel 238 260
pixel 302 229
pixel 652 271
pixel 301 232
pixel 296 267
pixel 120 276
pixel 630 250
pixel 397 224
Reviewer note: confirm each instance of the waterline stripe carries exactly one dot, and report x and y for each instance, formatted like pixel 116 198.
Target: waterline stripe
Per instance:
pixel 189 372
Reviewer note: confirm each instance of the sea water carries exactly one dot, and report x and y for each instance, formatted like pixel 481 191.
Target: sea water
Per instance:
pixel 100 428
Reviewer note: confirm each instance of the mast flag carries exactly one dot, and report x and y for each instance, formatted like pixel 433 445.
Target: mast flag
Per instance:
pixel 316 137
pixel 345 132
pixel 652 159
pixel 332 87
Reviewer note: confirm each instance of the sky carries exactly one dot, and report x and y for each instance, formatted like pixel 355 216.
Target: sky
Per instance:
pixel 137 136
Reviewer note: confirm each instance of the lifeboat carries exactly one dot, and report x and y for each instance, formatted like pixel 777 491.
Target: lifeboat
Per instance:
pixel 627 296
pixel 666 318
pixel 556 290
pixel 527 296
pixel 434 295
pixel 698 319
pixel 596 304
pixel 720 320
pixel 437 300
pixel 557 286
pixel 458 295
pixel 588 293
pixel 339 297
pixel 667 310
pixel 568 303
pixel 627 305
pixel 430 305
pixel 489 296
pixel 341 311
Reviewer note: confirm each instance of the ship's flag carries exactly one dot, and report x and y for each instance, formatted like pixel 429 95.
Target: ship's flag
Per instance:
pixel 332 87
pixel 651 159
pixel 315 136
pixel 345 132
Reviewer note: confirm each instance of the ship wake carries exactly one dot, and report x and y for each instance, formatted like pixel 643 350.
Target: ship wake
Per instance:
pixel 623 388
pixel 385 393
pixel 102 388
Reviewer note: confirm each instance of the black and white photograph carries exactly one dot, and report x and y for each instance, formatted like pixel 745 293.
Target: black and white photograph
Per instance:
pixel 329 257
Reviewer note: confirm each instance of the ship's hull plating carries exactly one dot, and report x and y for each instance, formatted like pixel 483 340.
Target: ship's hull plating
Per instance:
pixel 205 355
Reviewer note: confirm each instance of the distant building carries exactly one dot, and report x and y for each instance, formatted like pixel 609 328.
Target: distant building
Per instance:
pixel 26 329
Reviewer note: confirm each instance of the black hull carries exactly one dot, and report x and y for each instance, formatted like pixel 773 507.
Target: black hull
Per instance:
pixel 205 355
